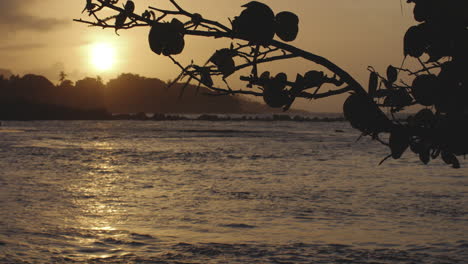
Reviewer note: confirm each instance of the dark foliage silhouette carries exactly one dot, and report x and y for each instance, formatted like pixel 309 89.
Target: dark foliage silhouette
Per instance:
pixel 439 43
pixel 439 86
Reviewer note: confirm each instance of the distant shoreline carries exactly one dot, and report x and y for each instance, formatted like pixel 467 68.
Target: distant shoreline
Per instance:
pixel 227 117
pixel 188 117
pixel 20 110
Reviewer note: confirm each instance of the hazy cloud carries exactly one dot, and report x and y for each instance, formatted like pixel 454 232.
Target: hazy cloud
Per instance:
pixel 22 47
pixel 13 17
pixel 52 72
pixel 5 73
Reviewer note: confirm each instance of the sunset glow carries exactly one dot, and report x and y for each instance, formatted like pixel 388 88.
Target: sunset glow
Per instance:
pixel 102 56
pixel 245 131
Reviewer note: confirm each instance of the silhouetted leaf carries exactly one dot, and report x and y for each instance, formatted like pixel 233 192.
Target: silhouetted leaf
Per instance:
pixel 265 75
pixel 373 83
pixel 256 23
pixel 416 147
pixel 424 118
pixel 364 115
pixel 425 156
pixel 298 86
pixel 414 41
pixel 382 93
pixel 392 74
pixel 129 6
pixel 274 94
pixel 196 19
pixel 275 98
pixel 450 159
pixel 120 20
pixel 287 26
pixel 423 10
pixel 224 61
pixel 435 153
pixel 313 79
pixel 424 89
pixel 206 77
pixel 280 80
pixel 399 142
pixel 398 98
pixel 89 6
pixel 453 87
pixel 167 38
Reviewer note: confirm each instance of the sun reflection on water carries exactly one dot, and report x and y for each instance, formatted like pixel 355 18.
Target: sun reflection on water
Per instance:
pixel 98 195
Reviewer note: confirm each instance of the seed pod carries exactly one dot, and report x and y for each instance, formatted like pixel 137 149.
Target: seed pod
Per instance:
pixel 287 26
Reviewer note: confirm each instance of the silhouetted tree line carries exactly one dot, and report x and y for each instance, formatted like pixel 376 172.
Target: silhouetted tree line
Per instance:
pixel 35 97
pixel 131 93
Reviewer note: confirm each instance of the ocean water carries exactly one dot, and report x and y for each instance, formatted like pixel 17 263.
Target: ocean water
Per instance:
pixel 222 192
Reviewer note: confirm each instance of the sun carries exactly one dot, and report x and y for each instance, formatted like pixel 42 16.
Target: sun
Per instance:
pixel 102 56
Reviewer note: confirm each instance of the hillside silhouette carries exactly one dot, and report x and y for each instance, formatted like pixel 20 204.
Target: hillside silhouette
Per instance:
pixel 35 97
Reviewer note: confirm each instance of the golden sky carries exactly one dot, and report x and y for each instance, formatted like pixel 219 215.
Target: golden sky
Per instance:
pixel 39 36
